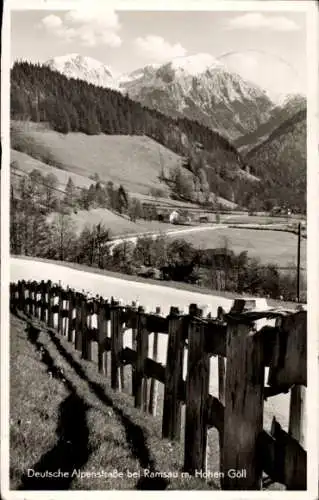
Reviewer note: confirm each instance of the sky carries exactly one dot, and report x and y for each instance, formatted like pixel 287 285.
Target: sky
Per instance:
pixel 267 48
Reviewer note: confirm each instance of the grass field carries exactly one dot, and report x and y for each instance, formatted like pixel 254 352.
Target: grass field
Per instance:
pixel 27 163
pixel 63 414
pixel 270 246
pixel 133 161
pixel 118 225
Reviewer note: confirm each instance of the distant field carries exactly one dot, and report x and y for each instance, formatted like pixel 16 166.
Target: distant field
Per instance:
pixel 259 219
pixel 270 246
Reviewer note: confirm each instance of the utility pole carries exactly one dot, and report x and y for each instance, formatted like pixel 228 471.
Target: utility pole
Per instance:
pixel 298 263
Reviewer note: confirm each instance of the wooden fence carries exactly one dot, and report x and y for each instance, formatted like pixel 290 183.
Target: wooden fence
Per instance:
pixel 243 353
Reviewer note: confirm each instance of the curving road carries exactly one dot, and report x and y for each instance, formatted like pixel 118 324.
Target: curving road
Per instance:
pixel 170 232
pixel 148 295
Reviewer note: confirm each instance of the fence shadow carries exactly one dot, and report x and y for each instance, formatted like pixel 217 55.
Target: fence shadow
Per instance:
pixel 74 424
pixel 135 435
pixel 72 449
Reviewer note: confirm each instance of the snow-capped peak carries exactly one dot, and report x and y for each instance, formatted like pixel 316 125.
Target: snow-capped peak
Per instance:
pixel 195 64
pixel 83 67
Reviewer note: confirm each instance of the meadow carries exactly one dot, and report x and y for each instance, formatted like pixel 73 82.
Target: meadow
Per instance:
pixel 136 162
pixel 133 161
pixel 275 247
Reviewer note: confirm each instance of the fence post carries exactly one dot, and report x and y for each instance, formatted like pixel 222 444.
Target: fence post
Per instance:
pixel 30 307
pixel 60 309
pixel 50 314
pixel 154 382
pixel 122 374
pixel 84 330
pixel 13 302
pixel 172 411
pixel 221 379
pixel 142 352
pixel 21 295
pixel 134 345
pixel 243 420
pixel 70 315
pixel 116 346
pixel 28 301
pixel 197 390
pixel 102 327
pixel 296 413
pixel 35 297
pixel 34 302
pixel 43 301
pixel 78 322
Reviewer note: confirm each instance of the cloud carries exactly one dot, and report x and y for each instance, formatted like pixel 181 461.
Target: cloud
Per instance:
pixel 158 49
pixel 256 20
pixel 88 26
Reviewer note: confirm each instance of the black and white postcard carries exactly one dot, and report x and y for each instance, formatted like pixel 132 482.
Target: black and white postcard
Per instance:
pixel 159 223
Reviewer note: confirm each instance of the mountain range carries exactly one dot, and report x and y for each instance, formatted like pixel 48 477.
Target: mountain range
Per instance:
pixel 49 93
pixel 197 87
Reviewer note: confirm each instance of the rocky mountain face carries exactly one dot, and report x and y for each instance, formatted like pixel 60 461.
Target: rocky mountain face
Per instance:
pixel 201 88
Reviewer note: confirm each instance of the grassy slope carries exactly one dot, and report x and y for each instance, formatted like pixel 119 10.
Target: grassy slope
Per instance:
pixel 134 161
pixel 270 246
pixel 64 415
pixel 118 225
pixel 27 163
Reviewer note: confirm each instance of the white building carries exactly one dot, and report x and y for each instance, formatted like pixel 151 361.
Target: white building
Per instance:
pixel 174 217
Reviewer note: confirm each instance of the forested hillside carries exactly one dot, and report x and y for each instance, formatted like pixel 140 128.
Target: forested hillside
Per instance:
pixel 282 161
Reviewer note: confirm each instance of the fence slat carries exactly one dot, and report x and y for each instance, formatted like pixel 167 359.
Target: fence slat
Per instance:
pixel 141 355
pixel 134 345
pixel 78 313
pixel 154 384
pixel 283 459
pixel 85 344
pixel 172 411
pixel 116 346
pixel 289 362
pixel 243 408
pixel 102 335
pixel 21 295
pixel 70 315
pixel 43 301
pixel 297 413
pixel 50 312
pixel 221 379
pixel 197 387
pixel 60 311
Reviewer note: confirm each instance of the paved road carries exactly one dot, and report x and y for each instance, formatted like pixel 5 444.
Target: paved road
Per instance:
pixel 149 296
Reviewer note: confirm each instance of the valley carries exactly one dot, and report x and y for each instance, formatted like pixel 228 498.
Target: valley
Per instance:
pixel 154 162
